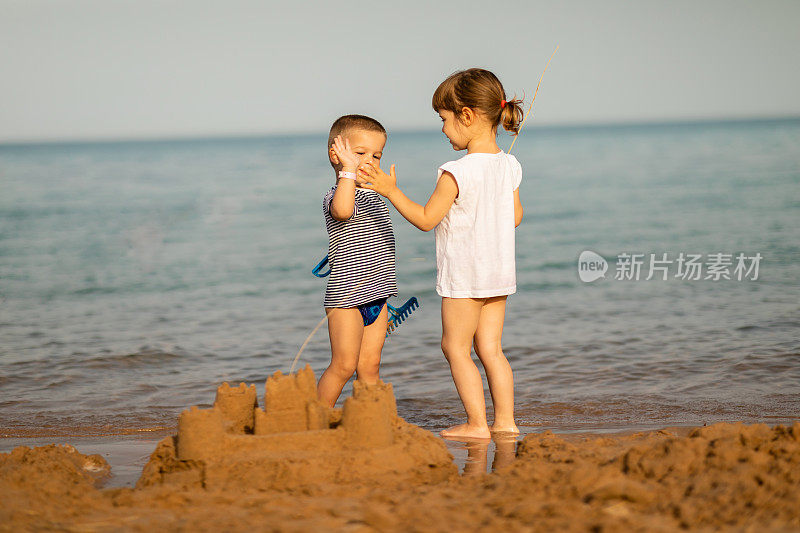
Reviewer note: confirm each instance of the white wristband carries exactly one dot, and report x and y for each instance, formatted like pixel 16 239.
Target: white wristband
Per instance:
pixel 347 175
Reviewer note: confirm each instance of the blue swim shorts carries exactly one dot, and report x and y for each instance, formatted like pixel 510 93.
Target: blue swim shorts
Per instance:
pixel 371 310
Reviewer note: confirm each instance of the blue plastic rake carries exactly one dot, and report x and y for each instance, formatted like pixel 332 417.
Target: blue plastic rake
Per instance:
pixel 396 314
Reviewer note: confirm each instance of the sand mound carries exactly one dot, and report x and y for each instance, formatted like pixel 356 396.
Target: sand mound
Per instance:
pixel 726 477
pixel 295 441
pixel 722 476
pixel 35 478
pixel 297 466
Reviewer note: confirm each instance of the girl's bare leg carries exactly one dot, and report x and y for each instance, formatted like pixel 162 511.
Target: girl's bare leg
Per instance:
pixel 488 346
pixel 477 457
pixel 459 323
pixel 345 329
pixel 505 451
pixel 369 358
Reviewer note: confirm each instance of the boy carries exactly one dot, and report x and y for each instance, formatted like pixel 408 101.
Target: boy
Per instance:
pixel 361 256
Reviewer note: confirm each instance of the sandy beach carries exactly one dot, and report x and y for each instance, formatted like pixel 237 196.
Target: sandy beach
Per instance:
pixel 294 465
pixel 165 177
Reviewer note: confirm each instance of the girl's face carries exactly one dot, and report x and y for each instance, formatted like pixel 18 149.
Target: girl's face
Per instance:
pixel 454 130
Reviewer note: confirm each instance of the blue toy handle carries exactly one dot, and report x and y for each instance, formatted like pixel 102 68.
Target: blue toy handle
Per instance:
pixel 320 266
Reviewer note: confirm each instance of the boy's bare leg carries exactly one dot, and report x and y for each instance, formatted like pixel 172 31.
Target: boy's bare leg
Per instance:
pixel 459 323
pixel 345 329
pixel 488 346
pixel 369 358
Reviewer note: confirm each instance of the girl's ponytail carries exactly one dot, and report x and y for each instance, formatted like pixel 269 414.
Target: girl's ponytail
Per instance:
pixel 511 115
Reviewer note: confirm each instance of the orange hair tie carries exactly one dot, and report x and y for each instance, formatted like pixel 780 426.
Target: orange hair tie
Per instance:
pixel 502 104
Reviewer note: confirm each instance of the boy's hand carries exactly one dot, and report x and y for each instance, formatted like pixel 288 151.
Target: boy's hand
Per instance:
pixel 348 158
pixel 370 176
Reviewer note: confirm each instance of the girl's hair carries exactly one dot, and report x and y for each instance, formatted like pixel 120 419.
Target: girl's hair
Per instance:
pixel 479 90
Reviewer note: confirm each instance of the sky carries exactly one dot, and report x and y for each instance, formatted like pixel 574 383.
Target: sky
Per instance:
pixel 115 69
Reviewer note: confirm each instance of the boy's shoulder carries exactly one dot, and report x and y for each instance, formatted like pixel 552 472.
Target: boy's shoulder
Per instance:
pixel 364 199
pixel 327 199
pixel 359 190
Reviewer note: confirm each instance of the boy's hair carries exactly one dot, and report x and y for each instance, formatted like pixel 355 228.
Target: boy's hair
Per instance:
pixel 479 90
pixel 343 125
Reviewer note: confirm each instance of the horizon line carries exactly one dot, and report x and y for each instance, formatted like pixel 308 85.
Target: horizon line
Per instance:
pixel 233 136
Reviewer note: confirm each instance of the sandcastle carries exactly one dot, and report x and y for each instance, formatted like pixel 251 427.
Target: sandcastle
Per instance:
pixel 296 441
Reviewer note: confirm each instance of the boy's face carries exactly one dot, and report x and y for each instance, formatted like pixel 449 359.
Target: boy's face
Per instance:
pixel 367 145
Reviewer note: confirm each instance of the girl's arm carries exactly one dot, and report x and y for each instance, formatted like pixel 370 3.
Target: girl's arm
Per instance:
pixel 423 217
pixel 517 208
pixel 344 198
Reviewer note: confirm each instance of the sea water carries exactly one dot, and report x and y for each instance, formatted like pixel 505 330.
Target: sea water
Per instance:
pixel 135 277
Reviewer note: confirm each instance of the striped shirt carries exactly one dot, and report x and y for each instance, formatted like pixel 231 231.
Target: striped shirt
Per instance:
pixel 360 252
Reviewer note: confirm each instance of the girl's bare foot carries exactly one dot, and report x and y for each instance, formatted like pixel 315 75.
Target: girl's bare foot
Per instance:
pixel 497 428
pixel 466 431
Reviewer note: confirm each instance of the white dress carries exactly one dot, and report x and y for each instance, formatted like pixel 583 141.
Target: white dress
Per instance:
pixel 475 255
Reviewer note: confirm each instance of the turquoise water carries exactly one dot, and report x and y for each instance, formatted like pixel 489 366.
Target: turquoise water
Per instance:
pixel 135 277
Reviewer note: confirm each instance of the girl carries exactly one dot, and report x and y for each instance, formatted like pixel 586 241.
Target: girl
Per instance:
pixel 474 208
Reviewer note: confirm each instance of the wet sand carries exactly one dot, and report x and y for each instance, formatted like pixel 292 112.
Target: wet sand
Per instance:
pixel 294 467
pixel 125 454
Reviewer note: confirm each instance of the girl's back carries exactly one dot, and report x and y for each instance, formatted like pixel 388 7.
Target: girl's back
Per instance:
pixel 475 240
